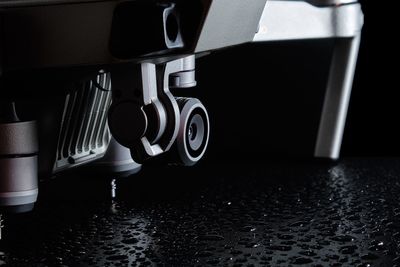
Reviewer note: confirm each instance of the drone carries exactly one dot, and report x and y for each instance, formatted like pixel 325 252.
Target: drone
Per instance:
pixel 90 83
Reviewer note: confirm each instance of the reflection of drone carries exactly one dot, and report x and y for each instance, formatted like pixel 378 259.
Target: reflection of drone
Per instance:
pixel 144 49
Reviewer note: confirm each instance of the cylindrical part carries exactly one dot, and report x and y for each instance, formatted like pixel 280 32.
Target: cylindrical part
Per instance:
pixel 117 160
pixel 18 166
pixel 184 79
pixel 18 181
pixel 18 138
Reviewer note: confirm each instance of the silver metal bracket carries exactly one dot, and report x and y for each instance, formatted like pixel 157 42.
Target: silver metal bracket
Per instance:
pixel 299 20
pixel 144 115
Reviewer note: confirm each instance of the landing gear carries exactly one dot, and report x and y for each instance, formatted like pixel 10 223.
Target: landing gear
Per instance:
pixel 145 116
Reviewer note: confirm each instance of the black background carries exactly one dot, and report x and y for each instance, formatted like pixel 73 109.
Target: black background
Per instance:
pixel 275 109
pixel 198 215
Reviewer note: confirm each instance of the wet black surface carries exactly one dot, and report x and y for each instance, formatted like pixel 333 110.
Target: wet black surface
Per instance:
pixel 268 214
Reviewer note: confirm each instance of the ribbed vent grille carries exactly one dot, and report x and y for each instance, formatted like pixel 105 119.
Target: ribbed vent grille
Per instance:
pixel 84 133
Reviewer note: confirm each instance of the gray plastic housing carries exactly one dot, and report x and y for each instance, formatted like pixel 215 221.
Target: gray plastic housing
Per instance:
pixel 18 165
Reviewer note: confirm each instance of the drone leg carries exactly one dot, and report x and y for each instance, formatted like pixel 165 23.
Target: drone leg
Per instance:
pixel 337 98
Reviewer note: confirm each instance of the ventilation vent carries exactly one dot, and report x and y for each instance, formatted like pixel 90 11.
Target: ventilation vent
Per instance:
pixel 84 134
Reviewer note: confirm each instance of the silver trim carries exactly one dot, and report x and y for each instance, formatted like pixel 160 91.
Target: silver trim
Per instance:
pixel 228 23
pixel 291 20
pixel 18 198
pixel 19 193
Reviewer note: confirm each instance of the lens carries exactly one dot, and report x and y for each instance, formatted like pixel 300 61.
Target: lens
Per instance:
pixel 194 131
